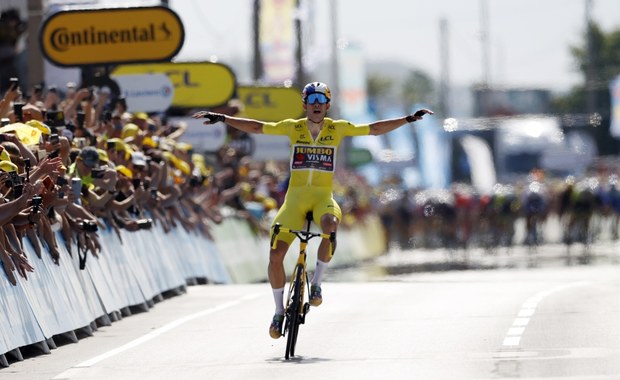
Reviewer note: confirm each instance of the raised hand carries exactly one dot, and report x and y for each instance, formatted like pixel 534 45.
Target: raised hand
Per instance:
pixel 211 117
pixel 22 265
pixel 418 115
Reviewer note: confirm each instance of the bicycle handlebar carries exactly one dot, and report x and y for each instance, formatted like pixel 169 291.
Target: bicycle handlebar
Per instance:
pixel 304 236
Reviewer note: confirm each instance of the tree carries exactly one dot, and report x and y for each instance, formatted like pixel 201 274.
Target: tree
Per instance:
pixel 417 89
pixel 604 55
pixel 605 60
pixel 379 87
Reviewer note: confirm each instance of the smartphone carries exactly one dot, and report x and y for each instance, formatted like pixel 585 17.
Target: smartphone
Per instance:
pixel 80 119
pixel 135 182
pixel 27 168
pixel 61 181
pixel 36 204
pixel 18 189
pixel 111 145
pixel 48 183
pixel 55 118
pixel 76 188
pixel 18 111
pixel 14 82
pixel 14 179
pixel 54 138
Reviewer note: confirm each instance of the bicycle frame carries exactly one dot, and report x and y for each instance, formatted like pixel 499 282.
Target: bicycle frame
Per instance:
pixel 296 306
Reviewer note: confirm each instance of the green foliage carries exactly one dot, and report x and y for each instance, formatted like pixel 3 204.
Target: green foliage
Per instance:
pixel 418 88
pixel 605 60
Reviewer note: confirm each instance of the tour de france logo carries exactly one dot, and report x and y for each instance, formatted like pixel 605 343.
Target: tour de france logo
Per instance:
pixel 313 158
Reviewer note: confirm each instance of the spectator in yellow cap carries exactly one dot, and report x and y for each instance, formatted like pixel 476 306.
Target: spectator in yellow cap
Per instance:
pixel 129 130
pixel 7 166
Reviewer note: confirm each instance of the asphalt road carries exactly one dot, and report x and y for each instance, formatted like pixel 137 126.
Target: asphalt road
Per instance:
pixel 408 315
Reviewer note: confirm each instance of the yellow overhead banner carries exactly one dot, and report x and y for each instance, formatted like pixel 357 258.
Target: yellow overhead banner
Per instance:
pixel 271 103
pixel 196 84
pixel 110 36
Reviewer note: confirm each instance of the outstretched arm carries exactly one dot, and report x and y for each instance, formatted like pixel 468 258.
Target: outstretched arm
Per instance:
pixel 245 125
pixel 384 126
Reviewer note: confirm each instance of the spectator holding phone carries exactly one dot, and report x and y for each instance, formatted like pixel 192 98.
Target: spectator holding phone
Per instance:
pixel 12 95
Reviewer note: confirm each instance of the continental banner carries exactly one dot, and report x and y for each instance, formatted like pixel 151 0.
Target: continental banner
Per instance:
pixel 111 36
pixel 196 84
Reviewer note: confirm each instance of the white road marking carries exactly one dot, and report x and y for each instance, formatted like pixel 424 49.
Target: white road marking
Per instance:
pixel 152 335
pixel 526 312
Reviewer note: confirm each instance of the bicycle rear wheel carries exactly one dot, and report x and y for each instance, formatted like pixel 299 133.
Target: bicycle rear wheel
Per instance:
pixel 293 317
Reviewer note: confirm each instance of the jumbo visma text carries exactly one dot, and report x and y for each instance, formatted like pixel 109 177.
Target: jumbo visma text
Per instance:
pixel 308 150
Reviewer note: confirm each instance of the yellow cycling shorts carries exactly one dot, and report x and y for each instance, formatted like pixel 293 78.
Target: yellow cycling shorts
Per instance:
pixel 298 202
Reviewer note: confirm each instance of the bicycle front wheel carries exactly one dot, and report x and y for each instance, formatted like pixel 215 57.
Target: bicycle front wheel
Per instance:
pixel 293 316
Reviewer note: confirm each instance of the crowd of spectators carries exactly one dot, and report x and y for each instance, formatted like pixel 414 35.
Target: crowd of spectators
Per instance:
pixel 75 160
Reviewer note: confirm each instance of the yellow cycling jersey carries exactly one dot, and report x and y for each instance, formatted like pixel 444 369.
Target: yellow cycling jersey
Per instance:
pixel 312 162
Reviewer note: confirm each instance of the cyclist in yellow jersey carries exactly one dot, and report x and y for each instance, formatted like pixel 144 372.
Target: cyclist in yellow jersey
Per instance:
pixel 314 142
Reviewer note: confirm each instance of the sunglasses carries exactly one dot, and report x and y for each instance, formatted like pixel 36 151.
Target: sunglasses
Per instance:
pixel 317 98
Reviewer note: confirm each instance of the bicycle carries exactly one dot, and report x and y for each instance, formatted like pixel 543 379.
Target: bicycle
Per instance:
pixel 297 305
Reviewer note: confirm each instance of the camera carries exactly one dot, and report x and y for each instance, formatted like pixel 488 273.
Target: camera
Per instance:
pixel 135 182
pixel 97 173
pixel 89 226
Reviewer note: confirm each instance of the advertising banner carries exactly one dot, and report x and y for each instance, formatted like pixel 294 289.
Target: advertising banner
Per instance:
pixel 111 36
pixel 146 92
pixel 196 84
pixel 271 103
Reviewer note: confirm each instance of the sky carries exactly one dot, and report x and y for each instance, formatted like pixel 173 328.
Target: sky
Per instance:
pixel 529 40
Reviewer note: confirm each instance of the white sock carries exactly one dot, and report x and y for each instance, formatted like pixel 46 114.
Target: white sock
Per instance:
pixel 278 296
pixel 321 267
